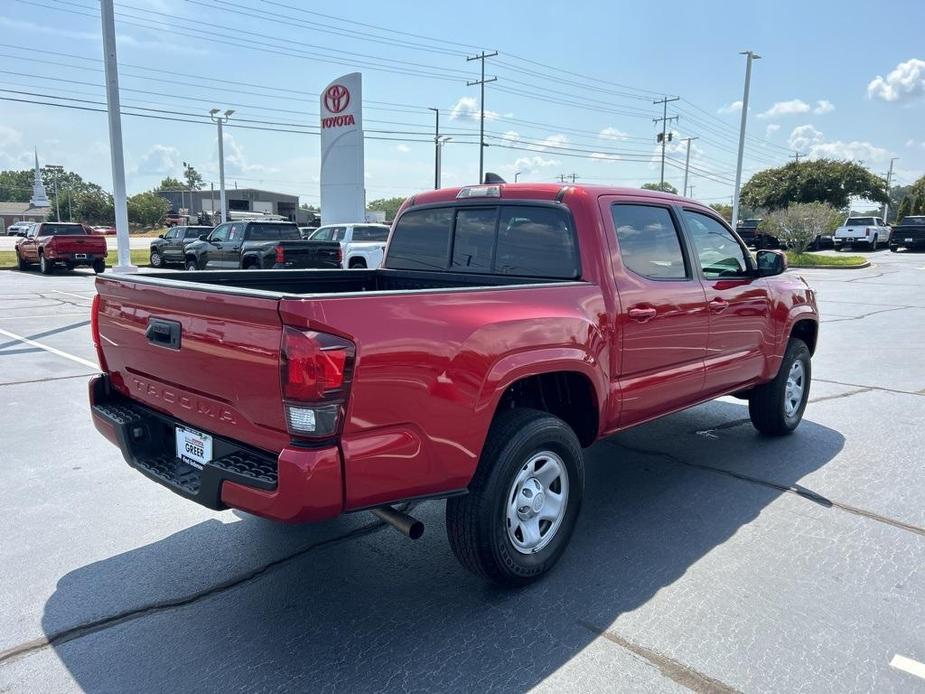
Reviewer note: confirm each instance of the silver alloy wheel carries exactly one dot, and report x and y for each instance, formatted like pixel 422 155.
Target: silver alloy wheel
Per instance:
pixel 793 392
pixel 155 259
pixel 536 502
pixel 42 263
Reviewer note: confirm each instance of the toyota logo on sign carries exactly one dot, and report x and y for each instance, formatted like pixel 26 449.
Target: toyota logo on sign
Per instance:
pixel 336 98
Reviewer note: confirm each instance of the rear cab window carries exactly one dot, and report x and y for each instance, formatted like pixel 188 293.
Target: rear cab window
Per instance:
pixel 55 229
pixel 505 239
pixel 649 242
pixel 273 232
pixel 370 234
pixel 860 222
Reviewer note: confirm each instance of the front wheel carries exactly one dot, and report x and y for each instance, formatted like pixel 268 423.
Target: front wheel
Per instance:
pixel 23 265
pixel 516 520
pixel 157 260
pixel 191 264
pixel 776 408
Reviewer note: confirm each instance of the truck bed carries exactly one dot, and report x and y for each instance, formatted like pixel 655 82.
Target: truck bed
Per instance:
pixel 302 283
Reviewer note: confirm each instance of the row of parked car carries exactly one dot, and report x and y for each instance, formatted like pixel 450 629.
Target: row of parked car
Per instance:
pixel 856 231
pixel 22 229
pixel 259 244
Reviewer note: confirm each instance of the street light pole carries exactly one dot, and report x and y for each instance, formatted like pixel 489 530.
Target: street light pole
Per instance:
pixel 220 119
pixel 687 163
pixel 886 207
pixel 751 56
pixel 436 146
pixel 439 165
pixel 114 113
pixel 516 174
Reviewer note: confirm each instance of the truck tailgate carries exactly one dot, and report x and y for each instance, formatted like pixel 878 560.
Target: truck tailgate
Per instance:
pixel 79 244
pixel 223 375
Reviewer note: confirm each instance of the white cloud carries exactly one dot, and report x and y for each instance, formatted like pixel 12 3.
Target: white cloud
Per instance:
pixel 823 106
pixel 771 129
pixel 235 160
pixel 734 107
pixel 524 164
pixel 403 148
pixel 468 107
pixel 557 140
pixel 612 134
pixel 905 81
pixel 159 160
pixel 602 157
pixel 511 136
pixel 811 142
pixel 910 142
pixel 803 137
pixel 9 137
pixel 786 108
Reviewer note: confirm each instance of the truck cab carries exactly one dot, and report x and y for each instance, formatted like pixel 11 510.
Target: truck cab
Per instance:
pixel 866 231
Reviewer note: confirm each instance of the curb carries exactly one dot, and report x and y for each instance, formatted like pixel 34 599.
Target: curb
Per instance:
pixel 866 264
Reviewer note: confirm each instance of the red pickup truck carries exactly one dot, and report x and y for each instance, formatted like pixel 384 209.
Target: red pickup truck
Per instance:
pixel 61 243
pixel 510 327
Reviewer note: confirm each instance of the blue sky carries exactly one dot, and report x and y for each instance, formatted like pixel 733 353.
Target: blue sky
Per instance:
pixel 574 90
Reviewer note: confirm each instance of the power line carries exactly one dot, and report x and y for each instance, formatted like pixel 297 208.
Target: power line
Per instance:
pixel 481 82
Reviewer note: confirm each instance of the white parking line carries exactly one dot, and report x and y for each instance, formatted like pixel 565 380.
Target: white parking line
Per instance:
pixel 913 667
pixel 52 350
pixel 85 298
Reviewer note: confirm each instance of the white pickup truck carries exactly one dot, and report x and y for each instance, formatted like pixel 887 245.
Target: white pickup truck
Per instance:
pixel 363 244
pixel 870 231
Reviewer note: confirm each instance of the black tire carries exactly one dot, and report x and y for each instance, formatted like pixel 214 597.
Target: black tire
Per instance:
pixel 99 266
pixel 873 243
pixel 44 266
pixel 69 267
pixel 894 249
pixel 157 260
pixel 192 264
pixel 23 265
pixel 357 264
pixel 477 524
pixel 767 404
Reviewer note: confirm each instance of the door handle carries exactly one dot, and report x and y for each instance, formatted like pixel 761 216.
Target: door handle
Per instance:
pixel 719 305
pixel 641 315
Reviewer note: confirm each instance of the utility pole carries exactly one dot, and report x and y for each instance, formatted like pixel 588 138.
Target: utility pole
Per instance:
pixel 664 120
pixel 691 193
pixel 220 119
pixel 212 198
pixel 687 162
pixel 796 157
pixel 114 113
pixel 568 177
pixel 886 206
pixel 752 56
pixel 436 146
pixel 481 82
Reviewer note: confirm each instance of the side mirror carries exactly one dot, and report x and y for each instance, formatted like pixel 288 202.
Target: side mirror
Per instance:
pixel 162 236
pixel 771 263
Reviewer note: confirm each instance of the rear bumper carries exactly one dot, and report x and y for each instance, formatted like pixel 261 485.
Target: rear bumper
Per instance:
pixel 75 258
pixel 299 485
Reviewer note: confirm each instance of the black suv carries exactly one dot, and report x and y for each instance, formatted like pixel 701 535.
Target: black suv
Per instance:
pixel 171 247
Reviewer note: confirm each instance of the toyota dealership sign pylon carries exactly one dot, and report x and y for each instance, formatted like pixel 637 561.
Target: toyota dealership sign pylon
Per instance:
pixel 343 196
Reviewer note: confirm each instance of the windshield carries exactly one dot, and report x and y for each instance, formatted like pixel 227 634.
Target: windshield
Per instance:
pixel 52 229
pixel 860 222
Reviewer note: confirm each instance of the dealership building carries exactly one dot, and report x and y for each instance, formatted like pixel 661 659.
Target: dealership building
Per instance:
pixel 238 200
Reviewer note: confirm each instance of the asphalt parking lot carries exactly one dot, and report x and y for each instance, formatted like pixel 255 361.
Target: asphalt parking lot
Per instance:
pixel 707 558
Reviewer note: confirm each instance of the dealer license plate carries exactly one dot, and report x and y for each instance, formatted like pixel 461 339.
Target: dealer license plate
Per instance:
pixel 909 240
pixel 194 447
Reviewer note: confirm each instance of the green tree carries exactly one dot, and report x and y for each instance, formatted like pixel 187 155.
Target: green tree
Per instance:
pixel 905 209
pixel 147 209
pixel 725 211
pixel 819 180
pixel 897 195
pixel 388 205
pixel 93 206
pixel 918 205
pixel 798 225
pixel 665 187
pixel 171 183
pixel 193 177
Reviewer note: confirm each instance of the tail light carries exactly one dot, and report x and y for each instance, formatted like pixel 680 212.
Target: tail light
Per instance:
pixel 340 255
pixel 95 331
pixel 316 370
pixel 49 247
pixel 280 255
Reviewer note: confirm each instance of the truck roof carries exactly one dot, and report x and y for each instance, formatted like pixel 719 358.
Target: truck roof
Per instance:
pixel 546 191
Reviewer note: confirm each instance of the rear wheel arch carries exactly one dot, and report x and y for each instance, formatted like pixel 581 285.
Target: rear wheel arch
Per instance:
pixel 568 395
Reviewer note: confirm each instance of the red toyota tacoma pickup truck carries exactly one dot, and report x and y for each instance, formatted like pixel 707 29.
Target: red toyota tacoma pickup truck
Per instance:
pixel 61 243
pixel 510 327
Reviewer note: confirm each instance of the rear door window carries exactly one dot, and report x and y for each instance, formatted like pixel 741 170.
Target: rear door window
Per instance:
pixel 649 242
pixel 370 234
pixel 421 240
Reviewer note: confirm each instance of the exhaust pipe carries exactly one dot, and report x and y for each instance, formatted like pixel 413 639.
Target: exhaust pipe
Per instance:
pixel 402 522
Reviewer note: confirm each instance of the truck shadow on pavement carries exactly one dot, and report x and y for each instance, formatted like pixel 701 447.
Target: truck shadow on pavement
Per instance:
pixel 357 607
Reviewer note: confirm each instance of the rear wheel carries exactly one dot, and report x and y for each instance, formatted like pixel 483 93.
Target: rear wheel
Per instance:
pixel 99 266
pixel 873 243
pixel 516 520
pixel 776 408
pixel 894 249
pixel 357 264
pixel 45 266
